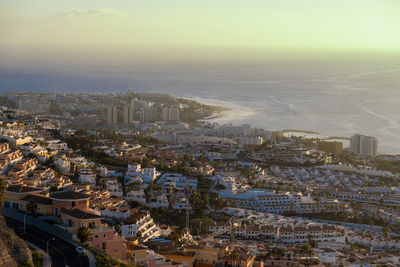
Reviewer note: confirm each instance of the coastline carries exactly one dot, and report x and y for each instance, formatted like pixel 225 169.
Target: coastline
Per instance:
pixel 231 112
pixel 238 114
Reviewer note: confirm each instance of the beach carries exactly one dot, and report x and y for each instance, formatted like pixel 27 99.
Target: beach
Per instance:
pixel 330 99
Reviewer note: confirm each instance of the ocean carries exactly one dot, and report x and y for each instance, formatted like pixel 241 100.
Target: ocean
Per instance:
pixel 333 98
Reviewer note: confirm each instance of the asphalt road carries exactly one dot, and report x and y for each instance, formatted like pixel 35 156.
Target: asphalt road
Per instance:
pixel 61 252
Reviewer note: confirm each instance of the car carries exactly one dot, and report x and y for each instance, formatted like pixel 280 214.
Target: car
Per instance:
pixel 80 250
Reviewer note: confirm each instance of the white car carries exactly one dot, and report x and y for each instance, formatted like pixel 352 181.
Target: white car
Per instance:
pixel 80 250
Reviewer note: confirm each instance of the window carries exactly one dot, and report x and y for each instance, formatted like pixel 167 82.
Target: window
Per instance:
pixel 96 236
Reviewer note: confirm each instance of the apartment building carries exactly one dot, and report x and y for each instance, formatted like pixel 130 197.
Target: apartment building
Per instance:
pixel 112 115
pixel 136 194
pixel 114 187
pixel 146 174
pixel 362 145
pixel 177 181
pixel 140 224
pixel 290 233
pixel 86 175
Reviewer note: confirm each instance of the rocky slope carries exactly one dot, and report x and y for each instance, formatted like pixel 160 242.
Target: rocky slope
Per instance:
pixel 13 250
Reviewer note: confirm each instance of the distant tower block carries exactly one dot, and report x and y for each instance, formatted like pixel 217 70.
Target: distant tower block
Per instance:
pixel 362 145
pixel 112 115
pixel 128 113
pixel 170 114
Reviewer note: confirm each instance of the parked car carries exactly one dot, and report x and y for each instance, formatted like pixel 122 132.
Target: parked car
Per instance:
pixel 80 250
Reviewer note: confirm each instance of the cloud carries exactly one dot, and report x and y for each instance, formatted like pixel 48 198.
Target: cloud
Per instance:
pixel 84 13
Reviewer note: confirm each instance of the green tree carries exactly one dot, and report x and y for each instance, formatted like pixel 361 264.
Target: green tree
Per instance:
pixel 84 234
pixel 138 234
pixel 133 186
pixel 3 187
pixel 37 258
pixel 31 207
pixel 118 228
pixel 234 254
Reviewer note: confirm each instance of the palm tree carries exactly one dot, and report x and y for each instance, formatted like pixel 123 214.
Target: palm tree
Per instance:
pixel 386 231
pixel 84 234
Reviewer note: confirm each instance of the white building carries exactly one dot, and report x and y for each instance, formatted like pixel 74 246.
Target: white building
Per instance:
pixel 363 145
pixel 140 224
pixel 177 181
pixel 136 195
pixel 56 145
pixel 290 233
pixel 128 113
pixel 148 114
pixel 114 212
pixel 247 141
pixel 114 187
pixel 86 175
pixel 229 130
pixel 181 204
pixel 227 181
pixel 146 174
pixel 15 137
pixel 170 114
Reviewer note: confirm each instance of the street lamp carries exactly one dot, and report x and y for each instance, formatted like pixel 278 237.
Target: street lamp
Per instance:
pixel 48 244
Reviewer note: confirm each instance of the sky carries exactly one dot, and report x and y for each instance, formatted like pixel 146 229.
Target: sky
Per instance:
pixel 62 30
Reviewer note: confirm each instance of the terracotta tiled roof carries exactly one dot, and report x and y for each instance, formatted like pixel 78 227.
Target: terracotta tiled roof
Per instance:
pixel 22 189
pixel 135 217
pixel 80 214
pixel 69 195
pixel 38 199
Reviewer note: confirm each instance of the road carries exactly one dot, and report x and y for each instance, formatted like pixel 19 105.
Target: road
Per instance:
pixel 61 252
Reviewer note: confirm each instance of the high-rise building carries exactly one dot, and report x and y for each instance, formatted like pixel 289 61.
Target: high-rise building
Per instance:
pixel 173 114
pixel 138 104
pixel 165 114
pixel 128 113
pixel 363 145
pixel 170 114
pixel 229 130
pixel 112 115
pixel 148 114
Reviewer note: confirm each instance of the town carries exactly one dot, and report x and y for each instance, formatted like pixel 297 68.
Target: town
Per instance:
pixel 143 179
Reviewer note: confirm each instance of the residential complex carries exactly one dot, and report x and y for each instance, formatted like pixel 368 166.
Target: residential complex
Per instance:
pixel 150 182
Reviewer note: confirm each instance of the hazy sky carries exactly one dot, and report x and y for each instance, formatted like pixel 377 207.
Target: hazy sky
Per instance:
pixel 75 27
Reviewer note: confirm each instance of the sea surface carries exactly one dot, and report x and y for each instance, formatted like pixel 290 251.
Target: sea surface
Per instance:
pixel 333 98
